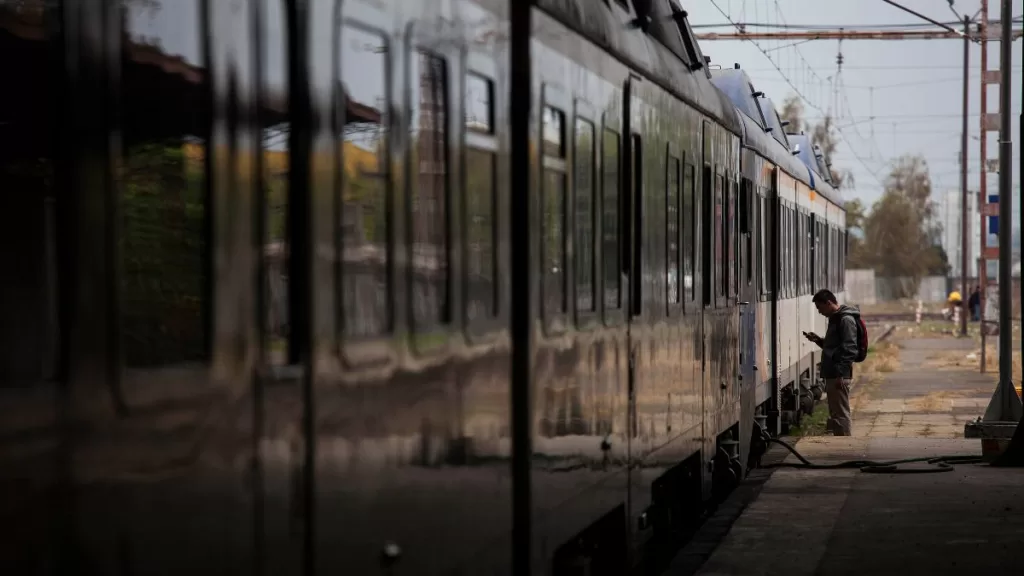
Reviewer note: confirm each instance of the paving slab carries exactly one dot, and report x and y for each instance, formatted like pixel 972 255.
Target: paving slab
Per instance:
pixel 839 522
pixel 846 522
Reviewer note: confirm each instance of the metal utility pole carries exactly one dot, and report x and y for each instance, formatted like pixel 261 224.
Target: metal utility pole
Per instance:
pixel 1005 406
pixel 1005 204
pixel 1014 454
pixel 964 221
pixel 983 206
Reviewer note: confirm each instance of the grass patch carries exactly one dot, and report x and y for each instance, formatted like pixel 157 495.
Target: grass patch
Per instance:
pixel 883 357
pixel 813 425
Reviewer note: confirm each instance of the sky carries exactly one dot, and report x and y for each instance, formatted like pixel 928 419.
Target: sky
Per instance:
pixel 917 98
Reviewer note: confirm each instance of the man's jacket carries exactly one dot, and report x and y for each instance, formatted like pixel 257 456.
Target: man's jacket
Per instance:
pixel 840 345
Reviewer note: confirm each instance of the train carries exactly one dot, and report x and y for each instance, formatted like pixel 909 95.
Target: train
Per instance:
pixel 265 296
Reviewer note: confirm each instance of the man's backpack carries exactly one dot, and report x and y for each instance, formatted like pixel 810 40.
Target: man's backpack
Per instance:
pixel 862 339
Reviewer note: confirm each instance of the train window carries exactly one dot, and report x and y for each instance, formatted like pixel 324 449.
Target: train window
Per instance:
pixel 636 210
pixel 788 262
pixel 553 240
pixel 584 180
pixel 672 227
pixel 831 258
pixel 689 231
pixel 826 253
pixel 610 246
pixel 733 222
pixel 846 254
pixel 480 188
pixel 164 208
pixel 797 249
pixel 794 216
pixel 554 133
pixel 758 248
pixel 749 208
pixel 479 104
pixel 762 245
pixel 276 129
pixel 481 255
pixel 805 253
pixel 812 227
pixel 819 277
pixel 429 204
pixel 721 241
pixel 553 219
pixel 365 227
pixel 784 251
pixel 790 252
pixel 709 233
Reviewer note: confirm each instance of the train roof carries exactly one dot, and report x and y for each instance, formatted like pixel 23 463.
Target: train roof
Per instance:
pixel 665 50
pixel 775 126
pixel 810 155
pixel 736 85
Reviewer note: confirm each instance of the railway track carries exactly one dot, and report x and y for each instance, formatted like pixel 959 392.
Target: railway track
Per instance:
pixel 901 317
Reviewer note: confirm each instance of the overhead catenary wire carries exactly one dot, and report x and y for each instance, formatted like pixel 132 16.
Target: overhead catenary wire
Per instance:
pixel 845 26
pixel 801 95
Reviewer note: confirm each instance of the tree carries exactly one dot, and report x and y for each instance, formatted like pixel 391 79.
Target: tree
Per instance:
pixel 855 218
pixel 822 135
pixel 900 234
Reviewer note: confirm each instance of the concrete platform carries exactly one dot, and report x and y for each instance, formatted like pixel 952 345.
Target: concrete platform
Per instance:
pixel 838 522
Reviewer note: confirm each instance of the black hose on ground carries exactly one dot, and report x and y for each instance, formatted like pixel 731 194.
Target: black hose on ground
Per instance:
pixel 939 463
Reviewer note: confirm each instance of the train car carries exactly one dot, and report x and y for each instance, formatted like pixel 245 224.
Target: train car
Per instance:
pixel 260 287
pixel 782 320
pixel 826 236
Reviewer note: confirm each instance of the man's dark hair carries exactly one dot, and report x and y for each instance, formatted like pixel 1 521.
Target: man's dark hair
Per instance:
pixel 823 296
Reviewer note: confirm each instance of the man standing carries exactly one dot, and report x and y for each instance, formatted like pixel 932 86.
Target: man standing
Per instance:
pixel 974 304
pixel 838 351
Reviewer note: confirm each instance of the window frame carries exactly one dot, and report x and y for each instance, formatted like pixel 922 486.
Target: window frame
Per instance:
pixel 411 189
pixel 585 113
pixel 358 350
pixel 555 323
pixel 691 232
pixel 486 329
pixel 674 163
pixel 611 315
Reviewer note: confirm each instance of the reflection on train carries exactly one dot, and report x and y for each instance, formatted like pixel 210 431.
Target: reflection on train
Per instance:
pixel 258 296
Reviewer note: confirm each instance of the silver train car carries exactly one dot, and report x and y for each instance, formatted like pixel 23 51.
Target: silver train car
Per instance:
pixel 806 253
pixel 261 278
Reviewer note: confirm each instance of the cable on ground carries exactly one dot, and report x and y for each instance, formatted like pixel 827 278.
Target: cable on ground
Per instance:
pixel 939 463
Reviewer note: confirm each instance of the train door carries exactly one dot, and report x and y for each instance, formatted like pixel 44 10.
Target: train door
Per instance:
pixel 711 223
pixel 774 280
pixel 631 218
pixel 748 311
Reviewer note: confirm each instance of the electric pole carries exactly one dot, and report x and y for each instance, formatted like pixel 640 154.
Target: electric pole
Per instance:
pixel 983 206
pixel 964 221
pixel 1005 406
pixel 1005 204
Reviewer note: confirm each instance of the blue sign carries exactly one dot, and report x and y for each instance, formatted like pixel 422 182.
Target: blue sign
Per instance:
pixel 993 221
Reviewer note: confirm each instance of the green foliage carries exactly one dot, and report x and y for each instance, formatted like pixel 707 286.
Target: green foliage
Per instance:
pixel 900 236
pixel 161 244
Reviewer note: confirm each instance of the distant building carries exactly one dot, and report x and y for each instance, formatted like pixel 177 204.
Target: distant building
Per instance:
pixel 948 212
pixel 949 218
